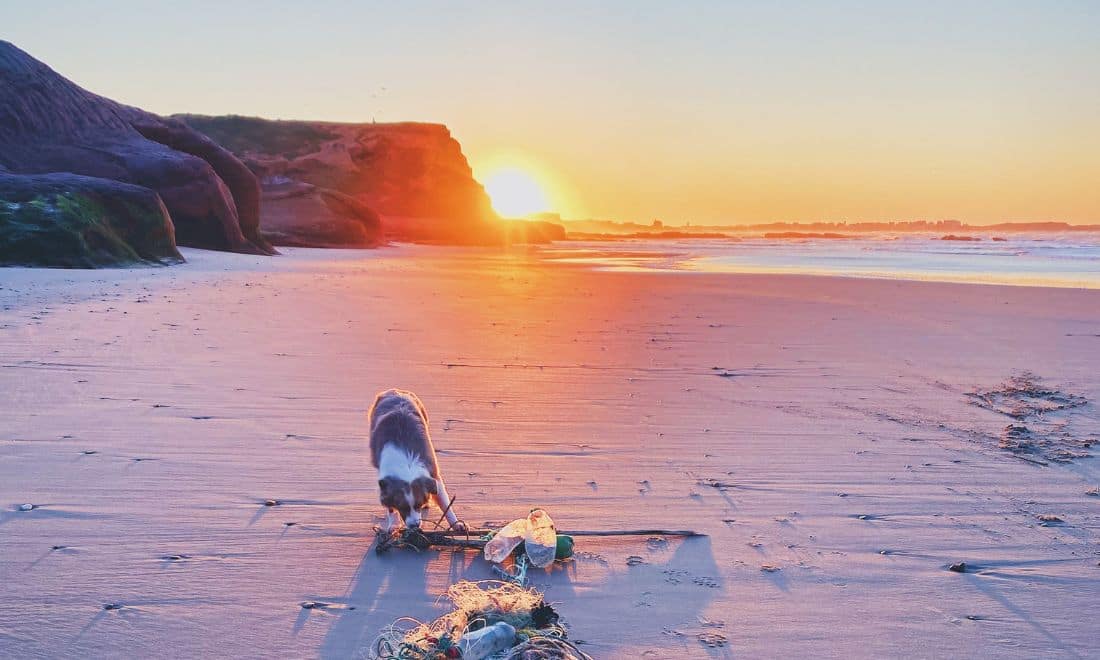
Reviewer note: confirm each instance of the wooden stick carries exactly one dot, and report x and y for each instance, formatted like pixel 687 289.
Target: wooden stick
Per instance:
pixel 473 544
pixel 634 532
pixel 473 539
pixel 439 522
pixel 583 532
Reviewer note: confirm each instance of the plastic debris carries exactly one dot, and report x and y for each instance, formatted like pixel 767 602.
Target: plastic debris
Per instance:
pixel 506 540
pixel 536 629
pixel 541 541
pixel 487 641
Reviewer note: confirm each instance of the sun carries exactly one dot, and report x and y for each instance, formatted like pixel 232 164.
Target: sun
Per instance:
pixel 515 193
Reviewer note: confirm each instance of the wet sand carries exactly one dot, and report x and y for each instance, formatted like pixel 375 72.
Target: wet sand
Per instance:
pixel 823 427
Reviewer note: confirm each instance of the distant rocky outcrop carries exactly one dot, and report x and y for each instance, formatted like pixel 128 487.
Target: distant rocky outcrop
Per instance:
pixel 412 175
pixel 534 231
pixel 73 221
pixel 50 125
pixel 805 234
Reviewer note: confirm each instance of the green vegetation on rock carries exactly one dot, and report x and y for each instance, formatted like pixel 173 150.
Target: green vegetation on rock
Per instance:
pixel 243 135
pixel 82 223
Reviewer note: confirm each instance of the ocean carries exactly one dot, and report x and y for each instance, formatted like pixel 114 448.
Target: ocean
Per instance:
pixel 1052 259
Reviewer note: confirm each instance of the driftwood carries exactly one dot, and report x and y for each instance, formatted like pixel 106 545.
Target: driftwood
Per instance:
pixel 475 539
pixel 582 532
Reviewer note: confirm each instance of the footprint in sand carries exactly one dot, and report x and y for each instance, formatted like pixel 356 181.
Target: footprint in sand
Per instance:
pixel 656 543
pixel 591 556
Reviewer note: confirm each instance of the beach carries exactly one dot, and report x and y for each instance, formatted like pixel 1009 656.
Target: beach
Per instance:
pixel 192 442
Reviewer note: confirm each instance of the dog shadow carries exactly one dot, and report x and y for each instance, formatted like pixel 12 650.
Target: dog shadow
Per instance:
pixel 387 587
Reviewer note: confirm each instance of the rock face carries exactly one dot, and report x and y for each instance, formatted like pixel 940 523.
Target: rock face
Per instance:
pixel 49 124
pixel 301 214
pixel 72 221
pixel 414 176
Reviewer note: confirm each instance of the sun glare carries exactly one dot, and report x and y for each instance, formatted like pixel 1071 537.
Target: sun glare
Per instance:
pixel 515 193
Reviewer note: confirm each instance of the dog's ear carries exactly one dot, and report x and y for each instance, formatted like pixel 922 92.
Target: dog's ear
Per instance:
pixel 427 484
pixel 387 484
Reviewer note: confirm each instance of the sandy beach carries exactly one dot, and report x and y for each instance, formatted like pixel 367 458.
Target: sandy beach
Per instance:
pixel 822 431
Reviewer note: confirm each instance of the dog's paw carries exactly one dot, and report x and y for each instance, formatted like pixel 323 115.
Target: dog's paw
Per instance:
pixel 459 526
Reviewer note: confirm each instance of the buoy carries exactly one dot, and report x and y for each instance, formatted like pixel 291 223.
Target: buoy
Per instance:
pixel 565 547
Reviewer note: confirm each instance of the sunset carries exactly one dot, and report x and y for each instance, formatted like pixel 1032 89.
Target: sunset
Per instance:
pixel 515 192
pixel 568 331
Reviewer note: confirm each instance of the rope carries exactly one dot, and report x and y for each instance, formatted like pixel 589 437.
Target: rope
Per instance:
pixel 477 604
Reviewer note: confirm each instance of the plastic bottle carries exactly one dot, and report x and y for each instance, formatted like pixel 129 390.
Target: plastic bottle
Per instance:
pixel 500 546
pixel 487 641
pixel 541 542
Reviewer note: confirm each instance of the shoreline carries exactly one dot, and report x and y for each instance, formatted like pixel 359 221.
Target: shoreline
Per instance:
pixel 590 255
pixel 1014 266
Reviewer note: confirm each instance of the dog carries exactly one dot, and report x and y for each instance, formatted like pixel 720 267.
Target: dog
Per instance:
pixel 402 451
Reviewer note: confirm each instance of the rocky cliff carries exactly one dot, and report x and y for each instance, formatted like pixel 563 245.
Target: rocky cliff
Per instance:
pixel 414 176
pixel 48 124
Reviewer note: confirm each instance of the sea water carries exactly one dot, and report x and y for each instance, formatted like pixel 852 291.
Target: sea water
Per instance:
pixel 1059 260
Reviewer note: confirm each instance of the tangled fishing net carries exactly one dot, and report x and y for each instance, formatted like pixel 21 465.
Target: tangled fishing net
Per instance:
pixel 539 633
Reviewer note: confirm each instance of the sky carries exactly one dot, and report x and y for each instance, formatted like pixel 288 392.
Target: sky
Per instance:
pixel 701 112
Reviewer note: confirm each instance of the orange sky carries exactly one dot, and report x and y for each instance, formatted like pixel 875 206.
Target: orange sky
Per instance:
pixel 730 112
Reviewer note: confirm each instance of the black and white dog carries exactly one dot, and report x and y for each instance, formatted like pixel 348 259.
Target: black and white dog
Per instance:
pixel 402 450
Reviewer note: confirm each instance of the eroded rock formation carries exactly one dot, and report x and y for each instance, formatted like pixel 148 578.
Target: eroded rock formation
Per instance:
pixel 48 124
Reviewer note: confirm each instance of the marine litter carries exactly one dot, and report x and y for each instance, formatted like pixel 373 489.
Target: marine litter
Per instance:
pixel 492 619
